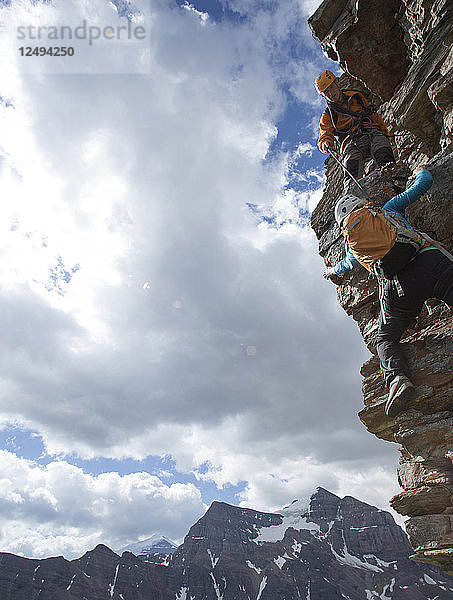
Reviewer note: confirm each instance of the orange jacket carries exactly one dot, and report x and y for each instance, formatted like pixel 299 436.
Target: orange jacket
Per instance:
pixel 346 124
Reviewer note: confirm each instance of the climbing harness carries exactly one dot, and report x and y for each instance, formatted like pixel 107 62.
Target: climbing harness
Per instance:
pixel 361 123
pixel 357 119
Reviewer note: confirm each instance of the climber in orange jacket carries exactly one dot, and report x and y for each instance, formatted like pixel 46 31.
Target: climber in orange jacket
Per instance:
pixel 359 130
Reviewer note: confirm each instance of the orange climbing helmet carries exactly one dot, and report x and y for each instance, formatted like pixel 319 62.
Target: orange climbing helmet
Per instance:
pixel 324 79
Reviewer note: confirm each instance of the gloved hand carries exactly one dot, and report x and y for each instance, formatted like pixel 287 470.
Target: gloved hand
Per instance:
pixel 325 147
pixel 329 273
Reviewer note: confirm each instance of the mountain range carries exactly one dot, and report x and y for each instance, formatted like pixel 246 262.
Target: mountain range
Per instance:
pixel 327 548
pixel 156 544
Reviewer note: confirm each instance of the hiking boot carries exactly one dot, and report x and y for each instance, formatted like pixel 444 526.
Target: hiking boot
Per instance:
pixel 401 391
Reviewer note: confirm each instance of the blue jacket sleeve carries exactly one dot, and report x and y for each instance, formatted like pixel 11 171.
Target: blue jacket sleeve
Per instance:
pixel 345 265
pixel 421 185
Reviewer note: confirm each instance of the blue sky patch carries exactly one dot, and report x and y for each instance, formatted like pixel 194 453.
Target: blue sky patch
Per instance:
pixel 217 10
pixel 60 275
pixel 28 444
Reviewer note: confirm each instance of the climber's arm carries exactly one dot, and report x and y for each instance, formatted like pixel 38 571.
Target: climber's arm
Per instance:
pixel 347 264
pixel 326 137
pixel 421 185
pixel 344 266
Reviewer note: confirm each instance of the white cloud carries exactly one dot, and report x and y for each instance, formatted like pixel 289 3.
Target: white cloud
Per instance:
pixel 309 6
pixel 110 508
pixel 203 16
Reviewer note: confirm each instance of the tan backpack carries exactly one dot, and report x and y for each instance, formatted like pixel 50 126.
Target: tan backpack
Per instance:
pixel 382 243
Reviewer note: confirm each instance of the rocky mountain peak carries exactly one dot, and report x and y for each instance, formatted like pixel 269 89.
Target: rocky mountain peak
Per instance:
pixel 156 544
pixel 326 548
pixel 102 549
pixel 323 505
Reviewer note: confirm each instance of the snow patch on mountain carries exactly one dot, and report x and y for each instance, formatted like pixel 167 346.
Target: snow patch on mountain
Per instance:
pixel 294 516
pixel 346 558
pixel 373 595
pixel 182 594
pixel 156 544
pixel 280 560
pixel 219 593
pixel 214 559
pixel 262 586
pixel 252 566
pixel 380 562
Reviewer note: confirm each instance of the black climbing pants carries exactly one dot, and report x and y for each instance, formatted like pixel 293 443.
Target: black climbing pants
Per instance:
pixel 428 275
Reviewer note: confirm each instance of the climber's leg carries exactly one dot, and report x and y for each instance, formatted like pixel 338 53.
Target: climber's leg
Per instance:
pixel 355 151
pixel 381 149
pixel 429 275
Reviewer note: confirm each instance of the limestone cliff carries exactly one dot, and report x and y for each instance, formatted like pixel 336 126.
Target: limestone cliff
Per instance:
pixel 402 54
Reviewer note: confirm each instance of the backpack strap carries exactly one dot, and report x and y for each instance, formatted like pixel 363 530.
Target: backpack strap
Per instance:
pixel 403 234
pixel 439 246
pixel 334 110
pixel 343 110
pixel 333 114
pixel 353 224
pixel 408 236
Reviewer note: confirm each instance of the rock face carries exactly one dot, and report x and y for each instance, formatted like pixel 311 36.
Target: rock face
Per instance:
pixel 365 39
pixel 418 107
pixel 326 549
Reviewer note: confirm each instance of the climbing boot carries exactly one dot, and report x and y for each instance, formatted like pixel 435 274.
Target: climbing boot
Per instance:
pixel 401 391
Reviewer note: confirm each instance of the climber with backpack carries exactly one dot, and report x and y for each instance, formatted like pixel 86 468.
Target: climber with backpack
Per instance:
pixel 360 132
pixel 410 268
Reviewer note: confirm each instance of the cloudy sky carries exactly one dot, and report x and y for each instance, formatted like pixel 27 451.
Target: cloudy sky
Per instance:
pixel 167 338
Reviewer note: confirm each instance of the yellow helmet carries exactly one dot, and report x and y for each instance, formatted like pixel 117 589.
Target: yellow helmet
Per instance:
pixel 324 79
